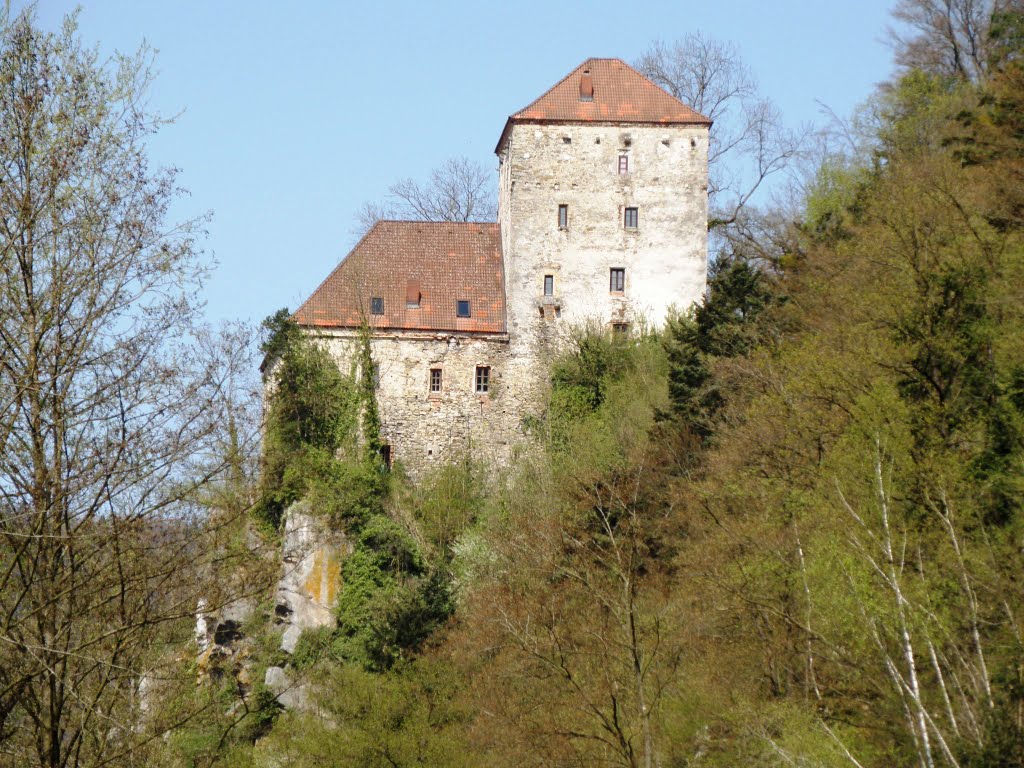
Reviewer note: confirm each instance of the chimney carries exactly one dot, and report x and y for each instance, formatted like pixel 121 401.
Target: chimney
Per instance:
pixel 586 86
pixel 412 294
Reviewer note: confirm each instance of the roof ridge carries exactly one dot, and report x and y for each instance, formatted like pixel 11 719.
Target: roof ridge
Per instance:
pixel 622 94
pixel 425 221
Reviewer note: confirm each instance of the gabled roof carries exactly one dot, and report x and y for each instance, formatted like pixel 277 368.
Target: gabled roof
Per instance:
pixel 618 94
pixel 397 261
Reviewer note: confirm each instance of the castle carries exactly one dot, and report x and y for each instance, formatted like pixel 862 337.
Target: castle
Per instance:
pixel 602 217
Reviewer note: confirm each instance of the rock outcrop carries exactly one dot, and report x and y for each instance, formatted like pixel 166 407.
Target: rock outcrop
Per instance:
pixel 312 555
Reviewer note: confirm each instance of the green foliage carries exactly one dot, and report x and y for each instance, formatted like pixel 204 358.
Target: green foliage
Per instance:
pixel 409 716
pixel 1007 39
pixel 914 115
pixel 313 646
pixel 1003 745
pixel 349 493
pixel 265 710
pixel 279 333
pixel 390 601
pixel 367 386
pixel 313 424
pixel 579 378
pixel 730 322
pixel 836 200
pixel 448 502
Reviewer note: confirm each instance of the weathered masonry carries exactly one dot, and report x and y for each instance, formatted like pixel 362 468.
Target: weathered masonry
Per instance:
pixel 602 211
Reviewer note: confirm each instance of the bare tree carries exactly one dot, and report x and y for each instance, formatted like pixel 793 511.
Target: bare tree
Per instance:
pixel 749 142
pixel 459 190
pixel 947 37
pixel 117 414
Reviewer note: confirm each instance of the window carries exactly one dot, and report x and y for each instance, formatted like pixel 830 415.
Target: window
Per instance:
pixel 620 328
pixel 549 285
pixel 617 282
pixel 435 380
pixel 623 163
pixel 563 217
pixel 632 219
pixel 483 379
pixel 462 308
pixel 377 305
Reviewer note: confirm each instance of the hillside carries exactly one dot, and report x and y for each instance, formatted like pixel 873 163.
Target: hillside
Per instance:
pixel 784 530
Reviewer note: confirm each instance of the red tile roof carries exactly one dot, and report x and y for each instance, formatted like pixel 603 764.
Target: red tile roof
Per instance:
pixel 620 95
pixel 442 263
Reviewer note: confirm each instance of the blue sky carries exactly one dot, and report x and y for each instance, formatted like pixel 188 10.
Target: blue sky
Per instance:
pixel 296 113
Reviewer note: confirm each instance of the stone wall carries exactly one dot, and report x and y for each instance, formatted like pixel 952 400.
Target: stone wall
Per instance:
pixel 425 429
pixel 665 257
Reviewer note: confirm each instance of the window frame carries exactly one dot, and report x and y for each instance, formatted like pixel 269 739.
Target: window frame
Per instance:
pixel 376 305
pixel 458 308
pixel 482 380
pixel 617 280
pixel 631 212
pixel 435 381
pixel 623 163
pixel 563 216
pixel 549 285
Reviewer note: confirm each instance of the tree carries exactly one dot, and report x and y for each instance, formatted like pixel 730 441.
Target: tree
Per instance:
pixel 749 142
pixel 950 38
pixel 571 602
pixel 459 190
pixel 729 323
pixel 113 404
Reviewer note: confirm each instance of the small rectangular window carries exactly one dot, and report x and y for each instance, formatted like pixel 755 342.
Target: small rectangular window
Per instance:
pixel 549 285
pixel 617 281
pixel 483 379
pixel 632 220
pixel 377 305
pixel 563 217
pixel 435 380
pixel 462 308
pixel 620 328
pixel 623 163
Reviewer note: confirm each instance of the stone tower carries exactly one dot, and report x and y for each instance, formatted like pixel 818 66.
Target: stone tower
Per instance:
pixel 602 205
